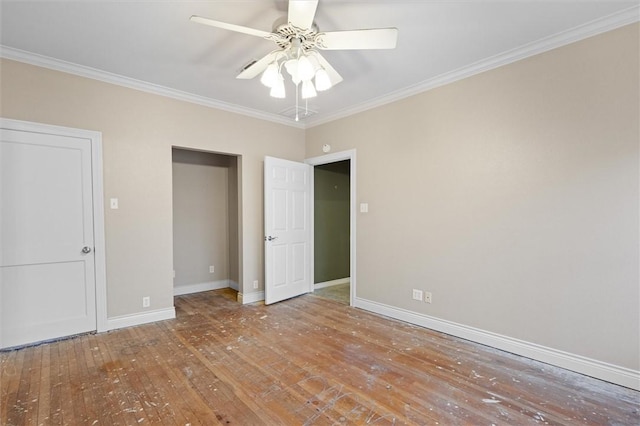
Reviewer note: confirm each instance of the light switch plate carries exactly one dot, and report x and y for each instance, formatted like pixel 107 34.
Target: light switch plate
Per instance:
pixel 364 207
pixel 113 203
pixel 417 294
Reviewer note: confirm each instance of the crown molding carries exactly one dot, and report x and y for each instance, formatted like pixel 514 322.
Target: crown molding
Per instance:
pixel 156 89
pixel 590 29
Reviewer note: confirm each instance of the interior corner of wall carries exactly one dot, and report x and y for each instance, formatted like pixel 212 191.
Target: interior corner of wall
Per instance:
pixel 246 298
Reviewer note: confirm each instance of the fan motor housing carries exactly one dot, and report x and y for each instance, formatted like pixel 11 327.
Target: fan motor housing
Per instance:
pixel 288 32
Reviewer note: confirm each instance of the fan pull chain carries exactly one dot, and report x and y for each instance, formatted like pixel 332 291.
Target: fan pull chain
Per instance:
pixel 297 118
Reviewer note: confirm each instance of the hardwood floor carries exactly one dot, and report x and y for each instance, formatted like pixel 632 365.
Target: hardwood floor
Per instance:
pixel 307 361
pixel 340 293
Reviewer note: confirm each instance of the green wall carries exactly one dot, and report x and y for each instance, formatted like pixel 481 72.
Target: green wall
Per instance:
pixel 331 212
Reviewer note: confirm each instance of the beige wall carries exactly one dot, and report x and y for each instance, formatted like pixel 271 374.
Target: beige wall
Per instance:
pixel 512 196
pixel 138 131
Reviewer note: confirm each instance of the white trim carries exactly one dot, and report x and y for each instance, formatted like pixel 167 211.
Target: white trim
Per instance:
pixel 590 367
pixel 312 216
pixel 589 29
pixel 245 298
pixel 234 285
pixel 100 263
pixel 581 32
pixel 119 80
pixel 180 290
pixel 99 234
pixel 141 318
pixel 332 283
pixel 332 158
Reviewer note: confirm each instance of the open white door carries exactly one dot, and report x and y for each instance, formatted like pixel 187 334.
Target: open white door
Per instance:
pixel 287 214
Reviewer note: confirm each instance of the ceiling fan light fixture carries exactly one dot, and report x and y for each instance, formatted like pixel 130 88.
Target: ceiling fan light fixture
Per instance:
pixel 277 90
pixel 292 68
pixel 298 40
pixel 270 76
pixel 305 68
pixel 323 82
pixel 308 91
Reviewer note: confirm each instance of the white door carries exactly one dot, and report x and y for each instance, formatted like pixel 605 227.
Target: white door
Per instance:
pixel 287 217
pixel 47 281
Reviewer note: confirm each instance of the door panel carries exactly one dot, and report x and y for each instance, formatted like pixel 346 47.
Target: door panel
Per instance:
pixel 46 218
pixel 299 219
pixel 279 215
pixel 287 222
pixel 299 252
pixel 279 257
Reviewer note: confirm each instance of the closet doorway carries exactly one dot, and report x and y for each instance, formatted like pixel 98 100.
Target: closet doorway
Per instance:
pixel 206 215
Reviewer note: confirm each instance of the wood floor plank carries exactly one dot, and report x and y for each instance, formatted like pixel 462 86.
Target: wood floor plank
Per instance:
pixel 171 376
pixel 81 408
pixel 305 361
pixel 55 387
pixel 31 403
pixel 180 401
pixel 71 410
pixel 96 382
pixel 8 371
pixel 23 384
pixel 120 412
pixel 44 396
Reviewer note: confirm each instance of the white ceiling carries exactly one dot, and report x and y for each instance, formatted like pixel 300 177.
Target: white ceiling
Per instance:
pixel 153 46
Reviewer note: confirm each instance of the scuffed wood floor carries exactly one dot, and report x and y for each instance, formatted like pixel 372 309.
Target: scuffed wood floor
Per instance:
pixel 307 361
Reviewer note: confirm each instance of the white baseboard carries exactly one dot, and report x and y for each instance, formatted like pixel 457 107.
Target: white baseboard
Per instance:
pixel 254 297
pixel 179 290
pixel 234 285
pixel 601 370
pixel 332 282
pixel 140 318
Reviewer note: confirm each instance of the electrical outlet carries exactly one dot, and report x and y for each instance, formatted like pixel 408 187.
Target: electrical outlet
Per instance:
pixel 146 302
pixel 212 269
pixel 427 297
pixel 417 294
pixel 255 284
pixel 174 274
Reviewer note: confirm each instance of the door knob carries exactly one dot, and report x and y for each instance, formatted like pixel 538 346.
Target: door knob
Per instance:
pixel 86 249
pixel 270 238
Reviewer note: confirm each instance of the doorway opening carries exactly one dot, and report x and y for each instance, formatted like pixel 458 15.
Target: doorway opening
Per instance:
pixel 334 222
pixel 206 228
pixel 331 196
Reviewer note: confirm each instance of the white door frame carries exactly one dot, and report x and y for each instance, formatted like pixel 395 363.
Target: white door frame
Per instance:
pixel 332 158
pixel 95 139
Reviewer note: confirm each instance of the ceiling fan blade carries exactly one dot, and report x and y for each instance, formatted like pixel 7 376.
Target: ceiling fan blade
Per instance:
pixel 378 38
pixel 302 12
pixel 230 27
pixel 258 66
pixel 334 77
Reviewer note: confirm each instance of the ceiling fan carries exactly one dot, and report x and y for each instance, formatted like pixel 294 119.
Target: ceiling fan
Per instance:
pixel 298 41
